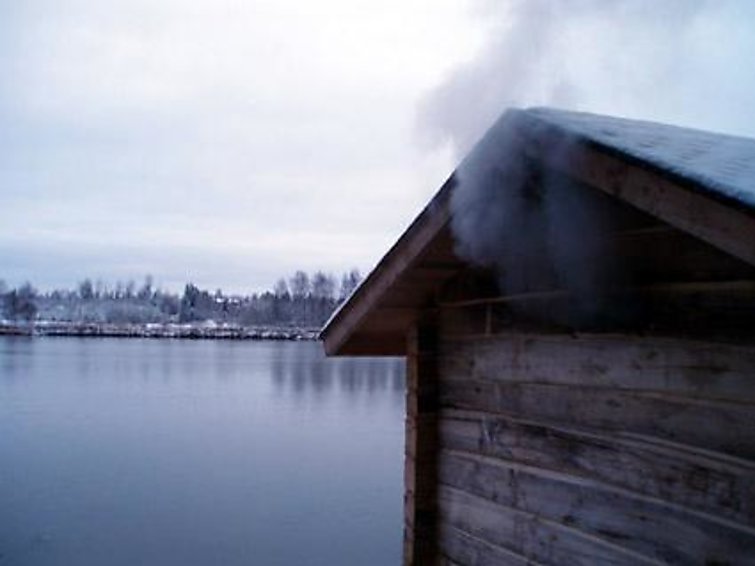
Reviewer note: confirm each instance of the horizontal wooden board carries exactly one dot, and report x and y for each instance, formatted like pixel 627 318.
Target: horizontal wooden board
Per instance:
pixel 688 367
pixel 647 526
pixel 458 548
pixel 720 312
pixel 718 426
pixel 526 534
pixel 701 481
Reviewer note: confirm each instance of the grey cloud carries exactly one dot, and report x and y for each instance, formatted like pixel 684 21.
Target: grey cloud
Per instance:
pixel 176 132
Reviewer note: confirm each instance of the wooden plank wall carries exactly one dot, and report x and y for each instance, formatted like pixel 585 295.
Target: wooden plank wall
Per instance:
pixel 594 449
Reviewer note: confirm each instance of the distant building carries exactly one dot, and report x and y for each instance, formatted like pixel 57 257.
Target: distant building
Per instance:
pixel 577 310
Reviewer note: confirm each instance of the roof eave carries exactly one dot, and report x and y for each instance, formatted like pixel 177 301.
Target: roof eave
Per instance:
pixel 339 335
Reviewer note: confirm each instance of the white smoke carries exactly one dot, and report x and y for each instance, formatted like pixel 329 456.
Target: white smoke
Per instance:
pixel 536 230
pixel 685 62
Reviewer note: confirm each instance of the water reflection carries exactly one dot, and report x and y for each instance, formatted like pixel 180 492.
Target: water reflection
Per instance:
pixel 135 451
pixel 294 368
pixel 299 370
pixel 16 357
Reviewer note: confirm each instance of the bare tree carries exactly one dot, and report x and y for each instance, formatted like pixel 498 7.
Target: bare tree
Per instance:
pixel 145 292
pixel 323 286
pixel 281 289
pixel 20 303
pixel 303 300
pixel 299 285
pixel 349 282
pixel 100 289
pixel 86 290
pixel 130 288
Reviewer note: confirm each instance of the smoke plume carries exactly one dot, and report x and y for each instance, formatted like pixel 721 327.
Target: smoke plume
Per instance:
pixel 536 229
pixel 686 62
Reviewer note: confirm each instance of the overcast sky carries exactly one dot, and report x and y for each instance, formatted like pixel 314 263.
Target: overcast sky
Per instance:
pixel 231 142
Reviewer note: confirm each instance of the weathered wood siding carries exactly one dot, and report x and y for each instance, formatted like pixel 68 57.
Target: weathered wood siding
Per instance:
pixel 593 449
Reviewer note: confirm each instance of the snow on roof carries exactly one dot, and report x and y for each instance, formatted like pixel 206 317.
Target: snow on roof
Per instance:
pixel 719 163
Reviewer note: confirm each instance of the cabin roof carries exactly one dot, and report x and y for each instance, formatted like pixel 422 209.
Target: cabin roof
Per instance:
pixel 719 164
pixel 701 183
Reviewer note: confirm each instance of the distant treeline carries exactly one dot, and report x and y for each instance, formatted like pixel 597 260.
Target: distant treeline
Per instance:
pixel 303 300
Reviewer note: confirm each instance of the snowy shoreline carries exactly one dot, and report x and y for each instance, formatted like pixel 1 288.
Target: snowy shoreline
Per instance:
pixel 197 331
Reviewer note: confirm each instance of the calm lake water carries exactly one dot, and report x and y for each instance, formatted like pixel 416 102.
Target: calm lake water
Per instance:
pixel 160 452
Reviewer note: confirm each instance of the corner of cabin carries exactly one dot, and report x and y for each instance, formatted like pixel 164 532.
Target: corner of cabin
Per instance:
pixel 615 425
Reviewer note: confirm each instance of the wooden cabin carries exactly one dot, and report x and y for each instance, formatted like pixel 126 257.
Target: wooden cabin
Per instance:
pixel 563 413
